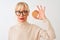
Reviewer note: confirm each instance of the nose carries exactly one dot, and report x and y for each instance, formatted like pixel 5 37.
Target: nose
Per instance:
pixel 21 14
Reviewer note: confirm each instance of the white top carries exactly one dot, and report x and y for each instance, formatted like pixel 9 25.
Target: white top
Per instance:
pixel 26 31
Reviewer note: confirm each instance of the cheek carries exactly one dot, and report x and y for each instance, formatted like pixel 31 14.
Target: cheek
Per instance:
pixel 25 17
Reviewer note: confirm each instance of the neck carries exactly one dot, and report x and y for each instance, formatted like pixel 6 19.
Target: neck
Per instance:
pixel 23 25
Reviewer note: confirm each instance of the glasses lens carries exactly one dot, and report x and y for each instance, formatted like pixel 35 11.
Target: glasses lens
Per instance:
pixel 25 11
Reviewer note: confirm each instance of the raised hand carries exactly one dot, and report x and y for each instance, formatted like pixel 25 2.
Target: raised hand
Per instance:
pixel 41 11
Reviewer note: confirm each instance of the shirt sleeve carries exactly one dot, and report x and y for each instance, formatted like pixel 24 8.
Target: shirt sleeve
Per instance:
pixel 43 35
pixel 50 29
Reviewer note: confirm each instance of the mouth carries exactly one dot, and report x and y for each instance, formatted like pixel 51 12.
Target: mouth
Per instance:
pixel 21 18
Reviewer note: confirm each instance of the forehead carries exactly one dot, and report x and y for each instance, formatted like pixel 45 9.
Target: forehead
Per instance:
pixel 21 7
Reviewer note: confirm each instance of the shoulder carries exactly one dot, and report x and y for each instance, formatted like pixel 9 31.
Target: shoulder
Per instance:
pixel 40 30
pixel 12 28
pixel 35 27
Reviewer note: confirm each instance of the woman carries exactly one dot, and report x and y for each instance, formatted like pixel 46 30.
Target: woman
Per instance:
pixel 26 31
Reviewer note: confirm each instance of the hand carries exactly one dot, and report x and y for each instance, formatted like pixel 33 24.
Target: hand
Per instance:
pixel 41 11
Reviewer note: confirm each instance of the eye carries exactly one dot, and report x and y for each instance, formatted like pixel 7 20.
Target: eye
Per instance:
pixel 25 11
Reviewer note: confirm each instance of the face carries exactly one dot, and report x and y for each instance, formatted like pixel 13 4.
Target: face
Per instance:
pixel 21 13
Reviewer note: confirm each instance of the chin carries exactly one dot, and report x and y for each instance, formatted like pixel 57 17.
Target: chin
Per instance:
pixel 21 21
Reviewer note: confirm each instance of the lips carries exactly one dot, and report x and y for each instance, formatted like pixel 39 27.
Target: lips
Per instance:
pixel 21 18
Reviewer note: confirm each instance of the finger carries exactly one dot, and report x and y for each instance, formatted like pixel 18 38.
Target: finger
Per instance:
pixel 44 8
pixel 41 7
pixel 38 7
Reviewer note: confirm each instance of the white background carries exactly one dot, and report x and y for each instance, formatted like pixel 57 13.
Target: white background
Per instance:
pixel 8 18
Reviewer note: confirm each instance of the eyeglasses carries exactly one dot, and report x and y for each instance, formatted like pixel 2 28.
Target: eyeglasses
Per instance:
pixel 25 12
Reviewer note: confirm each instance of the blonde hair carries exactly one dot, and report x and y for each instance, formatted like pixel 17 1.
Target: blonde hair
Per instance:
pixel 23 4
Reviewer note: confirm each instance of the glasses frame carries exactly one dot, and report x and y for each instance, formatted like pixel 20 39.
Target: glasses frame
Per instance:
pixel 24 12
